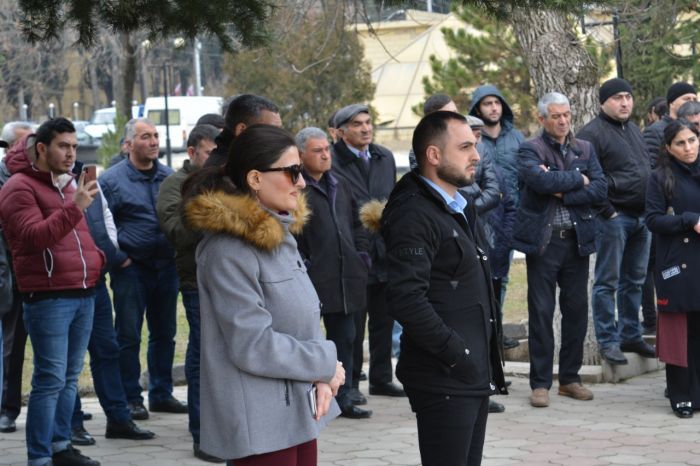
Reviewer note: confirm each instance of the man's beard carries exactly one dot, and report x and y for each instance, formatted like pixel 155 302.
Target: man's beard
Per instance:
pixel 489 122
pixel 449 174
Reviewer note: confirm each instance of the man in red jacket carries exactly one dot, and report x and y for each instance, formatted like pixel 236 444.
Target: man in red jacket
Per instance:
pixel 56 265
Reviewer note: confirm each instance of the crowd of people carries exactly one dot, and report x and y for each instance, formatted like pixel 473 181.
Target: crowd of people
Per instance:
pixel 265 234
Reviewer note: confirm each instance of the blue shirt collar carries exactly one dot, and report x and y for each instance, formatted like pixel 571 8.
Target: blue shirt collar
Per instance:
pixel 356 151
pixel 456 204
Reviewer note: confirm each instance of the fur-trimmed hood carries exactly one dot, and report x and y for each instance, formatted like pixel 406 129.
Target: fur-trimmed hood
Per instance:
pixel 371 215
pixel 242 216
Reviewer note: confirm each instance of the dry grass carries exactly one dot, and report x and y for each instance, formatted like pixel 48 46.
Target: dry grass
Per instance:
pixel 515 311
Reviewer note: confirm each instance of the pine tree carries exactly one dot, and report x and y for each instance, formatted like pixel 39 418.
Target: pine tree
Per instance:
pixel 487 52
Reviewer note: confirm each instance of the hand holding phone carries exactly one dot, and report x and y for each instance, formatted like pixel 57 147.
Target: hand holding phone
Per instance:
pixel 90 173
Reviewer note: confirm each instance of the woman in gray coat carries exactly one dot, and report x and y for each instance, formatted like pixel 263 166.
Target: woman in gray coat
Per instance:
pixel 268 376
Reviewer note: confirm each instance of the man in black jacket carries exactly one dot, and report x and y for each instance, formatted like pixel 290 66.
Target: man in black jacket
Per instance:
pixel 334 247
pixel 370 170
pixel 555 228
pixel 678 94
pixel 622 241
pixel 439 289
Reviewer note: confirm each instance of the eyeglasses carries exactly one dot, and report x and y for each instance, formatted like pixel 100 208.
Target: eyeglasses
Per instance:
pixel 293 170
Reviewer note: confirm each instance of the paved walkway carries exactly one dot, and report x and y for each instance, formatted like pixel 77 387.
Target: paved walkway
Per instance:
pixel 627 423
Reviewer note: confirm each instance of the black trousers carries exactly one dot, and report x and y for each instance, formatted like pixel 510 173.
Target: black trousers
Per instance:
pixel 684 382
pixel 380 327
pixel 559 265
pixel 340 329
pixel 13 344
pixel 451 429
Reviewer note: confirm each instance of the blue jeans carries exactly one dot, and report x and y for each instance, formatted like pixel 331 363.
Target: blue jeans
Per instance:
pixel 190 299
pixel 59 330
pixel 140 289
pixel 396 339
pixel 104 363
pixel 620 269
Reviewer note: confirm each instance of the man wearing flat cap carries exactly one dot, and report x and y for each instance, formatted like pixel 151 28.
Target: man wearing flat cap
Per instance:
pixel 370 170
pixel 678 94
pixel 622 238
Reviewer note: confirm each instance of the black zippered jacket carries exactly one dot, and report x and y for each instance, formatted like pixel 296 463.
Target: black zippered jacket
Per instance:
pixel 439 290
pixel 622 154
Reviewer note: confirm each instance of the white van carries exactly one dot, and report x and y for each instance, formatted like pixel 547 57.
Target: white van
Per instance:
pixel 183 113
pixel 103 120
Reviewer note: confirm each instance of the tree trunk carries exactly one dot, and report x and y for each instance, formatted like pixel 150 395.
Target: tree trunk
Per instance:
pixel 94 86
pixel 128 75
pixel 559 62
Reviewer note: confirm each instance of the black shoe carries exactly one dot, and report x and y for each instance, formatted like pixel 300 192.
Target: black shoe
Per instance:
pixel 363 376
pixel 356 396
pixel 80 436
pixel 640 347
pixel 138 411
pixel 72 457
pixel 386 389
pixel 206 456
pixel 613 355
pixel 353 412
pixel 87 416
pixel 128 430
pixel 7 425
pixel 496 407
pixel 169 405
pixel 510 343
pixel 683 410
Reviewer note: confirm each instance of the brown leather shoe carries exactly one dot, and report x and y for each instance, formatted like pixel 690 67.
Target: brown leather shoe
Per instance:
pixel 540 398
pixel 576 391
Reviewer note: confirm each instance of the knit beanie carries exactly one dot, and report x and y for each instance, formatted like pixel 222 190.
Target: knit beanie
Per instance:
pixel 611 87
pixel 678 89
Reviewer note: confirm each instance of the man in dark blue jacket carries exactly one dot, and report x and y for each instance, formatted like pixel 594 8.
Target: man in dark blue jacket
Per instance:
pixel 103 346
pixel 439 289
pixel 555 228
pixel 622 241
pixel 146 279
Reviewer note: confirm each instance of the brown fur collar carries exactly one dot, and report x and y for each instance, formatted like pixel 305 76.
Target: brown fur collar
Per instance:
pixel 371 215
pixel 242 216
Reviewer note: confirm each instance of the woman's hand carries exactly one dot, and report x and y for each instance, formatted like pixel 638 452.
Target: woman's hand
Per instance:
pixel 338 379
pixel 324 395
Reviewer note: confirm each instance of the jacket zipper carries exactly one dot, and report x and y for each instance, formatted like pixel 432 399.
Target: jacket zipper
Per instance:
pixel 80 246
pixel 286 391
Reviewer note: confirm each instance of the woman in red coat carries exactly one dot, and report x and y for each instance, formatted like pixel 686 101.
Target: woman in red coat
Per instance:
pixel 673 215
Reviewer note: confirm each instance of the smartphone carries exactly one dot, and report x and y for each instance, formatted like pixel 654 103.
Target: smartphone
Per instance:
pixel 311 393
pixel 90 173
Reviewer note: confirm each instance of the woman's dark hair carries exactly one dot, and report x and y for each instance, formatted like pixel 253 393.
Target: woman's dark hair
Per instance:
pixel 664 162
pixel 256 148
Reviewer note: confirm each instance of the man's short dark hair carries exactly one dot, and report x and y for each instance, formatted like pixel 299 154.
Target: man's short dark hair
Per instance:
pixel 51 128
pixel 246 109
pixel 659 106
pixel 435 102
pixel 331 120
pixel 201 132
pixel 431 131
pixel 213 119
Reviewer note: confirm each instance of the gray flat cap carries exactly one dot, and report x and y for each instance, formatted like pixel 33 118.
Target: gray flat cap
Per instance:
pixel 346 114
pixel 474 122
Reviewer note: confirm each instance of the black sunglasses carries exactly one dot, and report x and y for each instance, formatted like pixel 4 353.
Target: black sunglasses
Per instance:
pixel 293 170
